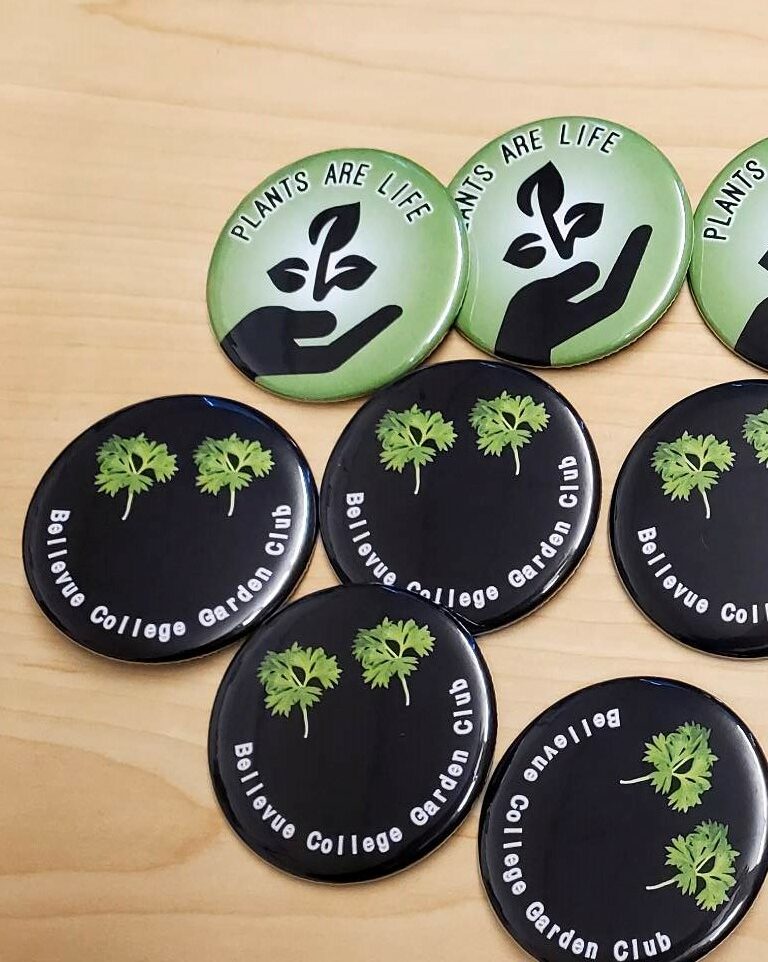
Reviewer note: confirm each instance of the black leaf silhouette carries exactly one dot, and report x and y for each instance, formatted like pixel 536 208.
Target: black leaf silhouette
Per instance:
pixel 344 221
pixel 585 219
pixel 524 252
pixel 551 190
pixel 352 272
pixel 286 275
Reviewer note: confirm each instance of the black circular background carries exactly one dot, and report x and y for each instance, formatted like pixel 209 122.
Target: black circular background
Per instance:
pixel 722 558
pixel 368 759
pixel 177 551
pixel 591 845
pixel 473 519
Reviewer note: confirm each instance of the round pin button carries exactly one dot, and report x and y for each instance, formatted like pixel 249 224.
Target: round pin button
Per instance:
pixel 473 484
pixel 337 274
pixel 351 733
pixel 170 528
pixel 627 822
pixel 689 520
pixel 729 266
pixel 579 240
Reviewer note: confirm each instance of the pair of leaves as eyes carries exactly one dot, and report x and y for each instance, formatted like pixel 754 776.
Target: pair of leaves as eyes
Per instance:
pixel 584 218
pixel 415 437
pixel 351 271
pixel 704 865
pixel 682 763
pixel 299 676
pixel 134 464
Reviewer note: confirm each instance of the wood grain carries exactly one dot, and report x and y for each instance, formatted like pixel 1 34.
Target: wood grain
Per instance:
pixel 129 131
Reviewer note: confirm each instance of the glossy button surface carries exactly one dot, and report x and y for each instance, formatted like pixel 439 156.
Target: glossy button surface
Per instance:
pixel 170 528
pixel 351 733
pixel 689 520
pixel 627 822
pixel 729 266
pixel 337 274
pixel 472 483
pixel 579 239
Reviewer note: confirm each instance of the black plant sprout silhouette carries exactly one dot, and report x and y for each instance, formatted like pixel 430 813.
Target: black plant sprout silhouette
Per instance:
pixel 351 272
pixel 543 313
pixel 582 220
pixel 265 340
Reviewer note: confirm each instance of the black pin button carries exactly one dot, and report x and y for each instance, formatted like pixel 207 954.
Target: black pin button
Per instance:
pixel 472 483
pixel 627 822
pixel 689 520
pixel 351 733
pixel 170 528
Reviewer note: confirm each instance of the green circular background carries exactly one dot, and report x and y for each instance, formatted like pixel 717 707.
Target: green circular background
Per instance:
pixel 726 278
pixel 636 184
pixel 421 266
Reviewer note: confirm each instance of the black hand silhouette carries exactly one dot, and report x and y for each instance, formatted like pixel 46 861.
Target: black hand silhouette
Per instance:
pixel 542 314
pixel 752 344
pixel 264 342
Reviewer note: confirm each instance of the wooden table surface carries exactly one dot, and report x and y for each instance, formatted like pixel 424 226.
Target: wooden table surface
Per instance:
pixel 130 129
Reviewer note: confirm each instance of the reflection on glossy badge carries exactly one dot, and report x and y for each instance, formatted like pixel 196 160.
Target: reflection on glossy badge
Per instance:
pixel 579 240
pixel 627 822
pixel 729 266
pixel 351 733
pixel 337 274
pixel 689 520
pixel 170 528
pixel 472 483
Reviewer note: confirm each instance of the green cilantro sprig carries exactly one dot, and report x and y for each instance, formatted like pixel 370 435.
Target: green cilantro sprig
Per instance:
pixel 704 860
pixel 392 649
pixel 230 463
pixel 682 761
pixel 691 463
pixel 507 422
pixel 297 677
pixel 413 437
pixel 132 465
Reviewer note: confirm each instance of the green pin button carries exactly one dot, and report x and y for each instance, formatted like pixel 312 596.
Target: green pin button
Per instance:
pixel 729 266
pixel 579 240
pixel 337 274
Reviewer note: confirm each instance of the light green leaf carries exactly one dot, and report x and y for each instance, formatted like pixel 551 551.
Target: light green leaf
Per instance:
pixel 691 463
pixel 704 860
pixel 682 761
pixel 230 463
pixel 413 437
pixel 133 465
pixel 507 422
pixel 392 649
pixel 289 679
